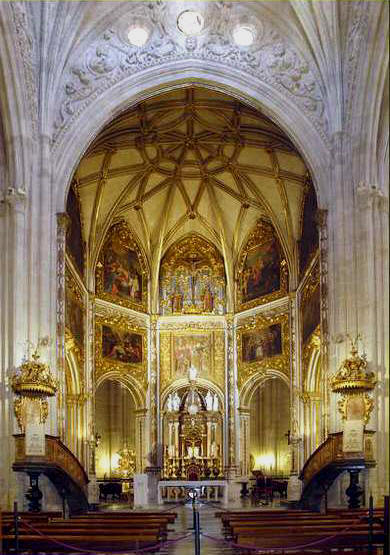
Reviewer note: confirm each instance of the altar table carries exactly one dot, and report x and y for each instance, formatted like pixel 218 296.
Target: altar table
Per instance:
pixel 174 485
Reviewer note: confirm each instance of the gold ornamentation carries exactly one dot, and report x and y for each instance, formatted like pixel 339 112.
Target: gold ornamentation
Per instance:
pixel 192 278
pixel 138 370
pixel 127 462
pixel 353 375
pixel 354 381
pixel 281 362
pixel 262 233
pixel 24 407
pixel 125 239
pixel 204 348
pixel 33 379
pixel 367 404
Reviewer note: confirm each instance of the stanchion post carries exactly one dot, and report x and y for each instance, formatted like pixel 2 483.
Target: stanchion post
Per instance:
pixel 197 533
pixel 386 516
pixel 16 527
pixel 370 524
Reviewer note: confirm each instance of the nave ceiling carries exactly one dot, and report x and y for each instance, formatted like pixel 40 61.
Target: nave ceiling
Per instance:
pixel 191 161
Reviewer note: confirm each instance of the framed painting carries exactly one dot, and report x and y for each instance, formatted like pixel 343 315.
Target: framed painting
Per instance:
pixel 202 348
pixel 74 310
pixel 121 271
pixel 262 270
pixel 262 343
pixel 261 274
pixel 122 346
pixel 311 313
pixel 74 237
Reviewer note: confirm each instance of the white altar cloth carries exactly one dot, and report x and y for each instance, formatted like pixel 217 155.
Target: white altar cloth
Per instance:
pixel 193 484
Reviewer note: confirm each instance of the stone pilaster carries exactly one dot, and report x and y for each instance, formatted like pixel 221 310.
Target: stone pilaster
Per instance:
pixel 372 302
pixel 231 388
pixel 244 413
pixel 322 225
pixel 63 222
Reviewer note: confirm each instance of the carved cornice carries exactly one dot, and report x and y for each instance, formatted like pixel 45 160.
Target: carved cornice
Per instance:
pixel 111 59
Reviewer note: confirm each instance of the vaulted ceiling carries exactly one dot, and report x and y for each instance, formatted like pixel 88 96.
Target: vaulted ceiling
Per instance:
pixel 191 160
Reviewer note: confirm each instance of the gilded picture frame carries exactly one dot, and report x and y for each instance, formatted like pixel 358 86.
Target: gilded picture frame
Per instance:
pixel 129 354
pixel 129 271
pixel 278 359
pixel 257 262
pixel 204 348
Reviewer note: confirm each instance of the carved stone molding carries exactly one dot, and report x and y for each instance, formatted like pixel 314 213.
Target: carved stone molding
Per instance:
pixel 111 59
pixel 25 43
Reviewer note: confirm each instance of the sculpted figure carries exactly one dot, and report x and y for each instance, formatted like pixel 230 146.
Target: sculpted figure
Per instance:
pixel 209 401
pixel 215 402
pixel 176 402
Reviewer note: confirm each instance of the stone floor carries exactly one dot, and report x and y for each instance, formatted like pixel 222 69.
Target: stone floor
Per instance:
pixel 209 524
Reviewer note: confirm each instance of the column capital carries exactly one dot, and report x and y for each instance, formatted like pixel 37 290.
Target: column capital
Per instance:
pixel 63 221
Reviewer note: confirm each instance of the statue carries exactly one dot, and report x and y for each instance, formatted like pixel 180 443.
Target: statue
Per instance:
pixel 176 402
pixel 209 401
pixel 215 402
pixel 170 403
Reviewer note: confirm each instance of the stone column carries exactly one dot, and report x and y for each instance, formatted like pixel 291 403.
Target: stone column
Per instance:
pixel 373 325
pixel 231 388
pixel 63 222
pixel 244 413
pixel 140 416
pixel 155 455
pixel 13 347
pixel 322 225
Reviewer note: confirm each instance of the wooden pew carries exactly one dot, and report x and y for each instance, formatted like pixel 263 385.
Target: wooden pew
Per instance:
pixel 98 531
pixel 271 529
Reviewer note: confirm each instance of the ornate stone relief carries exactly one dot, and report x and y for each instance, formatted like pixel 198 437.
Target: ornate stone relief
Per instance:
pixel 26 48
pixel 111 58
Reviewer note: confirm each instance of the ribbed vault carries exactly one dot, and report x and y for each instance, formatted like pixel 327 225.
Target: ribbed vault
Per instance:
pixel 191 161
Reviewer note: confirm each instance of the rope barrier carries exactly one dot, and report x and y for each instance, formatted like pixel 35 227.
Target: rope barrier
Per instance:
pixel 96 552
pixel 281 548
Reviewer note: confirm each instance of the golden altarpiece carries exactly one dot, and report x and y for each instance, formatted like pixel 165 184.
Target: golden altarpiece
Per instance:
pixel 208 363
pixel 188 354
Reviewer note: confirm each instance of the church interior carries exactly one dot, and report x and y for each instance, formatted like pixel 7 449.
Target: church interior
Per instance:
pixel 194 288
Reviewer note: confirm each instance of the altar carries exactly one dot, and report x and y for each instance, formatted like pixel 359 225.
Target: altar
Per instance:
pixel 175 490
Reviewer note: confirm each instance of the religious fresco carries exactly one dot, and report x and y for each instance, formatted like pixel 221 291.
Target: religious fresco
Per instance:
pixel 121 272
pixel 262 269
pixel 308 243
pixel 311 312
pixel 74 238
pixel 203 349
pixel 121 345
pixel 263 343
pixel 192 279
pixel 74 311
